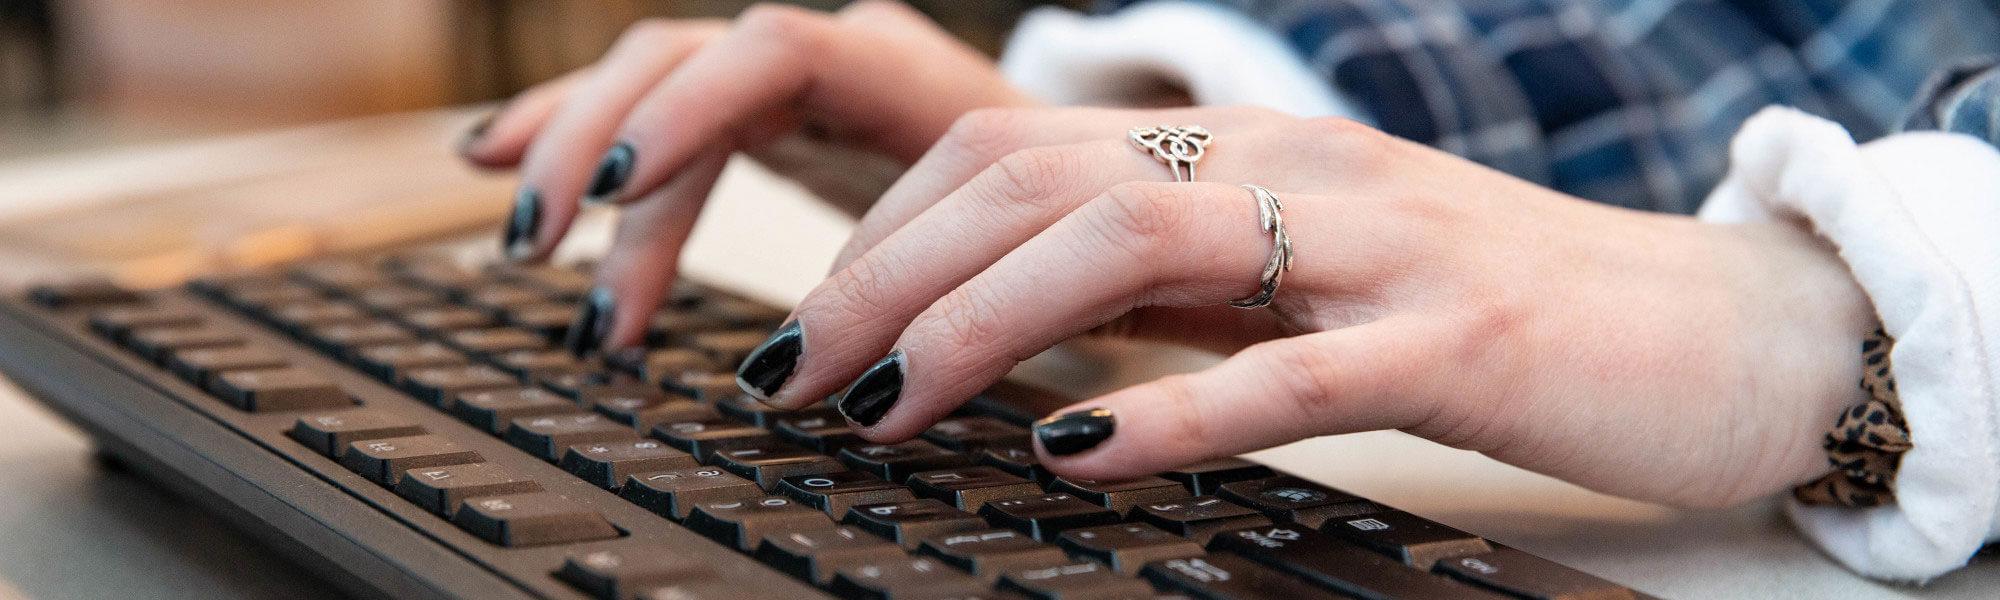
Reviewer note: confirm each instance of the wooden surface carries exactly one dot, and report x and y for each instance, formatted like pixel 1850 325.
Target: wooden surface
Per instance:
pixel 75 530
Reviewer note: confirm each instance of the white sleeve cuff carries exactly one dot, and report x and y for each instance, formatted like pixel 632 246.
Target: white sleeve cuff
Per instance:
pixel 1916 217
pixel 1218 55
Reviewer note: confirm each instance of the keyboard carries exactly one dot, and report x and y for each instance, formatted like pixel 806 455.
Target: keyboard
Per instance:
pixel 408 427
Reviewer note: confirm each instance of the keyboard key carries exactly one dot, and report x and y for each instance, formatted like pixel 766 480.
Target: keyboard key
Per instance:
pixel 200 365
pixel 574 382
pixel 114 323
pixel 966 434
pixel 1200 517
pixel 440 385
pixel 817 554
pixel 623 401
pixel 495 341
pixel 769 463
pixel 970 488
pixel 442 489
pixel 1288 498
pixel 728 347
pixel 344 339
pixel 500 297
pixel 704 437
pixel 440 276
pixel 743 524
pixel 1529 576
pixel 646 418
pixel 836 492
pixel 908 523
pixel 563 282
pixel 907 577
pixel 441 321
pixel 623 573
pixel 821 434
pixel 551 319
pixel 659 365
pixel 1121 496
pixel 340 274
pixel 708 588
pixel 547 437
pixel 1205 478
pixel 532 519
pixel 746 409
pixel 1046 516
pixel 158 344
pixel 1327 561
pixel 1127 547
pixel 331 434
pixel 496 410
pixel 1021 461
pixel 80 293
pixel 279 390
pixel 389 363
pixel 391 299
pixel 538 364
pixel 1414 540
pixel 706 387
pixel 608 464
pixel 743 313
pixel 1224 577
pixel 385 460
pixel 674 493
pixel 897 462
pixel 990 553
pixel 1075 581
pixel 301 317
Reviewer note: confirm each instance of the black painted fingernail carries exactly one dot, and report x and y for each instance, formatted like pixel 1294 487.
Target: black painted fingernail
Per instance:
pixel 475 133
pixel 519 241
pixel 875 392
pixel 1075 431
pixel 611 174
pixel 767 366
pixel 592 323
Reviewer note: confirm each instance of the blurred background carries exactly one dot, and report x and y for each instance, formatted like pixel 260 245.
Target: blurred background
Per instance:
pixel 149 140
pixel 78 74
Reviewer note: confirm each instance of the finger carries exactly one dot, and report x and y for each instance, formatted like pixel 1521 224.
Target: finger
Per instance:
pixel 850 320
pixel 857 76
pixel 498 140
pixel 643 261
pixel 981 138
pixel 562 160
pixel 1363 378
pixel 1137 245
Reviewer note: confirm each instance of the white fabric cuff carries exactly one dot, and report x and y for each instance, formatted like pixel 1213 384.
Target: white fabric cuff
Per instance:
pixel 1916 216
pixel 1220 56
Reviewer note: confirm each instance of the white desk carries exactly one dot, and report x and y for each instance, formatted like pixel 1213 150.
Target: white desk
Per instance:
pixel 69 529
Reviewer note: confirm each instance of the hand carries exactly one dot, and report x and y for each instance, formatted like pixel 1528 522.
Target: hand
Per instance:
pixel 1644 355
pixel 651 124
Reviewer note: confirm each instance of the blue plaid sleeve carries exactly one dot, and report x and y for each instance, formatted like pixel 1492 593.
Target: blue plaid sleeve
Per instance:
pixel 1628 102
pixel 1963 98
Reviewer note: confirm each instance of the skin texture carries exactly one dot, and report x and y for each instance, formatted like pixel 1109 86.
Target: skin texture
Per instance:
pixel 1650 356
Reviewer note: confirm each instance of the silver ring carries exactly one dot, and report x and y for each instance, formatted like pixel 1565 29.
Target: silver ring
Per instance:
pixel 1270 215
pixel 1178 147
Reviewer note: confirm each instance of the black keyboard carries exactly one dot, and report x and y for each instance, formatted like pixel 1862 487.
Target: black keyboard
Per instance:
pixel 408 428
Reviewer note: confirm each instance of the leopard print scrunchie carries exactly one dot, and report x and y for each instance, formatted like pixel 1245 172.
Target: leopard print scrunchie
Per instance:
pixel 1867 442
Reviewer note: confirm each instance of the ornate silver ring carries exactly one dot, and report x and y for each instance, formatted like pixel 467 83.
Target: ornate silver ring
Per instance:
pixel 1179 147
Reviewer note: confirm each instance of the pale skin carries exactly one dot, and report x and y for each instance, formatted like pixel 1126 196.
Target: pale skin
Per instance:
pixel 1644 355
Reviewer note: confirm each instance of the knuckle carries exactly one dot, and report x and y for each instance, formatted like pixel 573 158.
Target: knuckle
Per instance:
pixel 1253 114
pixel 1031 174
pixel 1189 423
pixel 1351 141
pixel 871 9
pixel 967 318
pixel 1308 374
pixel 1142 213
pixel 984 134
pixel 643 34
pixel 856 292
pixel 780 23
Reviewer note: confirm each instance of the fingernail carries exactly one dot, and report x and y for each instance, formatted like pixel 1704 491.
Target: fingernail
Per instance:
pixel 475 134
pixel 1076 431
pixel 771 363
pixel 611 174
pixel 592 323
pixel 519 242
pixel 875 392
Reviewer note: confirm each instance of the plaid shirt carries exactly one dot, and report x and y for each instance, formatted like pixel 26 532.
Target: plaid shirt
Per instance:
pixel 1633 102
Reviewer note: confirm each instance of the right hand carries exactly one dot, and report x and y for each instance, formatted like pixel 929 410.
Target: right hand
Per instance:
pixel 876 78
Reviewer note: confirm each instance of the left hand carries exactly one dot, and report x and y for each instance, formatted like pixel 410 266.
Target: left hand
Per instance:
pixel 1646 355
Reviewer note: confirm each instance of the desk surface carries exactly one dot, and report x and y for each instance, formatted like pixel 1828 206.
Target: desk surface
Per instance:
pixel 74 529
